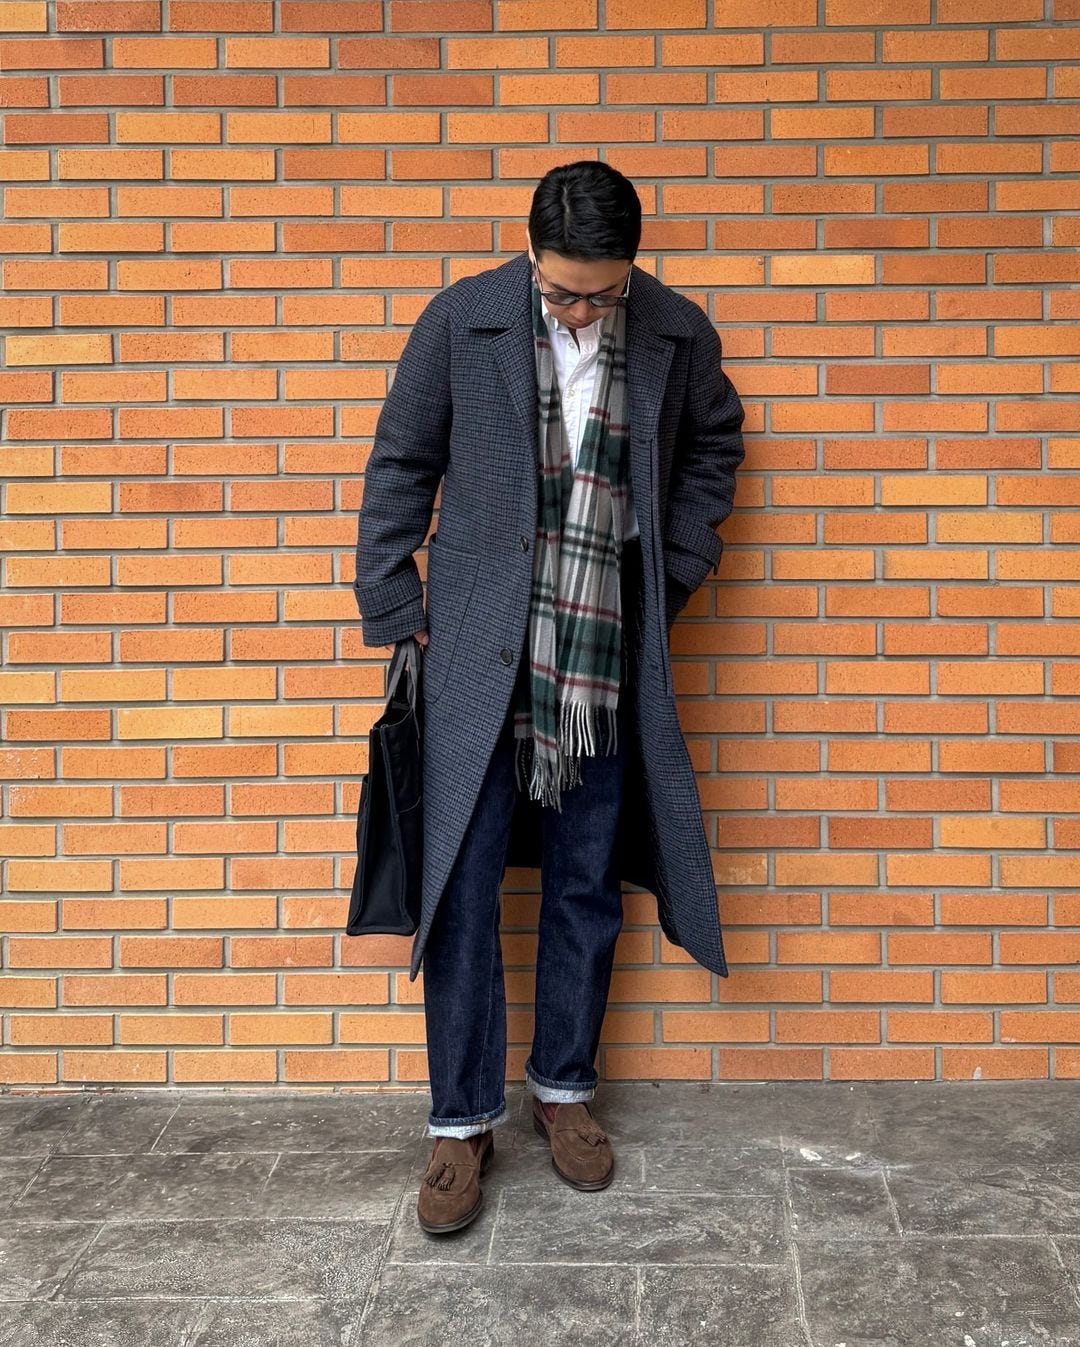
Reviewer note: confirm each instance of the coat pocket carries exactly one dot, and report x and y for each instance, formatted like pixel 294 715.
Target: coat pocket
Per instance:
pixel 451 580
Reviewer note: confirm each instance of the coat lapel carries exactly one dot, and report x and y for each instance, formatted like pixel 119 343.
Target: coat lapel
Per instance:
pixel 651 324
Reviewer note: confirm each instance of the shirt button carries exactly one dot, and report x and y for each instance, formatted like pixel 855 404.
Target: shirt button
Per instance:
pixel 524 543
pixel 506 656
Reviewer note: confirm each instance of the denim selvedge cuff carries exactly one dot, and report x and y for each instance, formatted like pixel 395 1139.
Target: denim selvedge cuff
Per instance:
pixel 463 1130
pixel 557 1094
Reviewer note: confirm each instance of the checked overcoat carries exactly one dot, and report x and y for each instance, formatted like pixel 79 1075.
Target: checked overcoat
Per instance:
pixel 462 412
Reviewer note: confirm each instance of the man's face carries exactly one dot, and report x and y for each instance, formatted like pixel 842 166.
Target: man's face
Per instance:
pixel 576 277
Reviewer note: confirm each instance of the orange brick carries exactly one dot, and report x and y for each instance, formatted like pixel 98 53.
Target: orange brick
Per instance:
pixel 525 15
pixel 26 918
pixel 442 90
pixel 104 989
pixel 61 1031
pixel 29 993
pixel 120 1067
pixel 495 53
pixel 229 1066
pixel 337 1065
pixel 550 89
pixel 181 1030
pixel 222 989
pixel 658 1064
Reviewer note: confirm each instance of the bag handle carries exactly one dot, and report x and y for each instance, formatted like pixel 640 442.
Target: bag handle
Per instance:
pixel 406 656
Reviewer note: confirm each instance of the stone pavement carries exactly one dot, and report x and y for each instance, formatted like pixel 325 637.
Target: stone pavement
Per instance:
pixel 894 1214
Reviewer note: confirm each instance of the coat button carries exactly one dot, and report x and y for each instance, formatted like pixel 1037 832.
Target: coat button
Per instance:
pixel 506 656
pixel 524 543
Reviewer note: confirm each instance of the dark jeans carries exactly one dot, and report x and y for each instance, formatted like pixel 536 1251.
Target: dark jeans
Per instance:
pixel 580 918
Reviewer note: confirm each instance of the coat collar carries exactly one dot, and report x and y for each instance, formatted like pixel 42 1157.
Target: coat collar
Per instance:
pixel 654 321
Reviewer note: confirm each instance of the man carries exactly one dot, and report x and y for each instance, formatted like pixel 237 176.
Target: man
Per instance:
pixel 586 439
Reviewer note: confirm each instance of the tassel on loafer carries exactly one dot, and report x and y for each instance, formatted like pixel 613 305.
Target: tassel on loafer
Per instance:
pixel 581 1152
pixel 450 1193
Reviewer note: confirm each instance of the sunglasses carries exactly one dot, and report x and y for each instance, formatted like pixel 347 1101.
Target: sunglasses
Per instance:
pixel 562 298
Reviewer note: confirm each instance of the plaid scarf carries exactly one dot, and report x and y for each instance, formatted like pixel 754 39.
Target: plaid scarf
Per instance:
pixel 567 705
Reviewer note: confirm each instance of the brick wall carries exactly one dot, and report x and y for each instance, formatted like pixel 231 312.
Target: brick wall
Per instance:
pixel 214 243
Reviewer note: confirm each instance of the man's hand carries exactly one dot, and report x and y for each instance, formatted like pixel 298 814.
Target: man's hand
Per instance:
pixel 422 636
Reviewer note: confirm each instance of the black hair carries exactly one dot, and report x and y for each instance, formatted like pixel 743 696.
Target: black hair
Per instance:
pixel 586 210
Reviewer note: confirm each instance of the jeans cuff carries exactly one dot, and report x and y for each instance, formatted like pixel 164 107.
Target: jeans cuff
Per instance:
pixel 470 1127
pixel 554 1092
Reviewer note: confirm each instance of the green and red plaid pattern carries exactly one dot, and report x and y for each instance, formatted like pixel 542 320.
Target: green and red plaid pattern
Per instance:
pixel 567 705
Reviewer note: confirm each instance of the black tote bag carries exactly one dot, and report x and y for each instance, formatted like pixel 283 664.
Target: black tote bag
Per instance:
pixel 389 838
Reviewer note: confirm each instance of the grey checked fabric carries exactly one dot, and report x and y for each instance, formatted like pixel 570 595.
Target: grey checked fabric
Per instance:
pixel 460 424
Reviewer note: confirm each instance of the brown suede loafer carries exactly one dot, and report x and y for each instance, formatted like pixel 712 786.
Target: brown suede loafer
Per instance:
pixel 450 1192
pixel 580 1149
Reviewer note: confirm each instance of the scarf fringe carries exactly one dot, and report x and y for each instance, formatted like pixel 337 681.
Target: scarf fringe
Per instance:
pixel 584 729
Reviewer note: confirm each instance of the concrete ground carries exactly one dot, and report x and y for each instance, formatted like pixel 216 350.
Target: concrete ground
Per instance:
pixel 742 1215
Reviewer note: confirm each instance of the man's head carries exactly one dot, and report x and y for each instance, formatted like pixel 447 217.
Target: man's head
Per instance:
pixel 583 235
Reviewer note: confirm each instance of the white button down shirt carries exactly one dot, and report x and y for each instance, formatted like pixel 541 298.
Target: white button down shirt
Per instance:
pixel 575 372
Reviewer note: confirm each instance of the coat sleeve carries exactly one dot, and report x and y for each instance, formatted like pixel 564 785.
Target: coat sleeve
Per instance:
pixel 406 464
pixel 709 450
